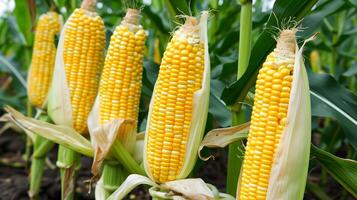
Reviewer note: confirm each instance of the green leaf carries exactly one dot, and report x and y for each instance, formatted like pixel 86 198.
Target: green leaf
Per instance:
pixel 11 68
pixel 343 171
pixel 351 71
pixel 23 18
pixel 15 30
pixel 329 99
pixel 219 111
pixel 6 99
pixel 314 20
pixel 156 20
pixel 283 9
pixel 181 7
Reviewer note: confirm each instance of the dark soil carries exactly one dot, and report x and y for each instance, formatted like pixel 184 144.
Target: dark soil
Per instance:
pixel 14 174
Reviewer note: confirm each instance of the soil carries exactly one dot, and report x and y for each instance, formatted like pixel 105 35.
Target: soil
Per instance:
pixel 14 174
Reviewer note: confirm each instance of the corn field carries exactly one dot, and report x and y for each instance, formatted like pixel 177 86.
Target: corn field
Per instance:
pixel 181 100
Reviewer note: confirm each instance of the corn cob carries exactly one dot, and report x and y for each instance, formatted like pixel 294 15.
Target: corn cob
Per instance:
pixel 120 88
pixel 81 46
pixel 43 58
pixel 120 84
pixel 269 117
pixel 83 50
pixel 180 76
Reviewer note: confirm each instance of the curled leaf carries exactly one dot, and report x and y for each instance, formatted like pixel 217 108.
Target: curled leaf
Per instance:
pixel 62 135
pixel 129 184
pixel 222 137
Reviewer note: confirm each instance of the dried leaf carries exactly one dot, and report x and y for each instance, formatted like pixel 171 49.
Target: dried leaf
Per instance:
pixel 104 137
pixel 222 137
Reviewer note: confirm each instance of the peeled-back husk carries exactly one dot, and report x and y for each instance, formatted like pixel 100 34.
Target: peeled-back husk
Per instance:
pixel 59 106
pixel 103 136
pixel 194 188
pixel 124 130
pixel 290 165
pixel 291 161
pixel 199 112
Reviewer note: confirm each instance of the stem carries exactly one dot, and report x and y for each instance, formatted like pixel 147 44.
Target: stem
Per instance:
pixel 235 154
pixel 124 157
pixel 245 38
pixel 69 162
pixel 235 157
pixel 43 148
pixel 28 139
pixel 38 162
pixel 112 177
pixel 37 169
pixel 214 23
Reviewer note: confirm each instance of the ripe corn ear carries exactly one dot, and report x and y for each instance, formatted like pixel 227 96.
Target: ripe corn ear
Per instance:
pixel 171 126
pixel 119 91
pixel 43 58
pixel 270 119
pixel 120 84
pixel 83 51
pixel 74 88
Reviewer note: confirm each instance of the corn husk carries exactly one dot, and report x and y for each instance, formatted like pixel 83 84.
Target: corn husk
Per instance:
pixel 185 189
pixel 290 165
pixel 291 162
pixel 199 113
pixel 103 136
pixel 59 106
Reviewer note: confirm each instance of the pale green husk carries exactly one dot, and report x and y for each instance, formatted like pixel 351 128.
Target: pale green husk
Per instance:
pixel 199 113
pixel 179 189
pixel 129 184
pixel 290 166
pixel 59 106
